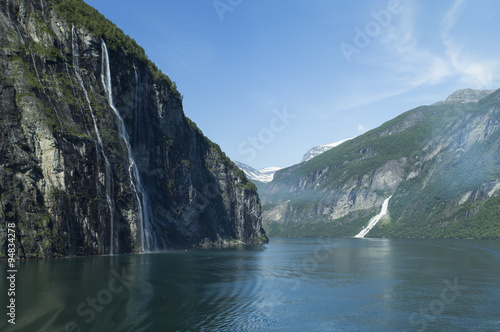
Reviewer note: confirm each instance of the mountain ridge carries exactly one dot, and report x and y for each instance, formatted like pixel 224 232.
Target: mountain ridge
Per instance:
pixel 424 159
pixel 468 95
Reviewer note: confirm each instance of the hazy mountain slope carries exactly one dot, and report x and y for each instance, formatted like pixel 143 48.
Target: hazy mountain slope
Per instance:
pixel 440 163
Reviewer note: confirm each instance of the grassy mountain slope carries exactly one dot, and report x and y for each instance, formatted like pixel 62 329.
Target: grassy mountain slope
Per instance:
pixel 440 163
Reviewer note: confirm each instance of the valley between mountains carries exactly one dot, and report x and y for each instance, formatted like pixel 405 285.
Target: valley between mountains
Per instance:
pixel 98 157
pixel 440 164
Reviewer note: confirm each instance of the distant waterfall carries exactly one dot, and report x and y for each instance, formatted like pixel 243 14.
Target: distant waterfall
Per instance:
pixel 76 98
pixel 41 85
pixel 43 7
pixel 140 193
pixel 108 180
pixel 373 221
pixel 136 106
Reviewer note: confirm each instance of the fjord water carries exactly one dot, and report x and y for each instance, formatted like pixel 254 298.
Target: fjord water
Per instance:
pixel 286 285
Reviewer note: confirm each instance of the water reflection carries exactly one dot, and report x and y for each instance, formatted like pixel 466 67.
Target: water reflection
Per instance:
pixel 294 284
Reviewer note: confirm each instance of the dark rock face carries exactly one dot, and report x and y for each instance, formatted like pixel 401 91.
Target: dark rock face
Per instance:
pixel 65 176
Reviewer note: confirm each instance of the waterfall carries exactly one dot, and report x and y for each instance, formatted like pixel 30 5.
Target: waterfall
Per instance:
pixel 43 88
pixel 36 68
pixel 133 171
pixel 43 8
pixel 86 129
pixel 373 221
pixel 136 106
pixel 76 98
pixel 108 172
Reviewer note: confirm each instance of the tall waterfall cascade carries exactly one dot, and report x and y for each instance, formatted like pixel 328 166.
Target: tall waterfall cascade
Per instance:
pixel 373 221
pixel 148 240
pixel 108 183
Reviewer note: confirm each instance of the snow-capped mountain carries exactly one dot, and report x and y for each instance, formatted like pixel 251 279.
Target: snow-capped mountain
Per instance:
pixel 264 175
pixel 269 171
pixel 317 150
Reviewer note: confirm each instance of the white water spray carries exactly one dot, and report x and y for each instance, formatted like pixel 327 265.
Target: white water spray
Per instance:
pixel 76 98
pixel 140 193
pixel 108 174
pixel 373 221
pixel 136 105
pixel 8 9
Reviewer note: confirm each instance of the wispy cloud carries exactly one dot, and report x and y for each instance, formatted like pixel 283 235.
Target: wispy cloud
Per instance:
pixel 450 19
pixel 413 56
pixel 415 64
pixel 474 72
pixel 362 129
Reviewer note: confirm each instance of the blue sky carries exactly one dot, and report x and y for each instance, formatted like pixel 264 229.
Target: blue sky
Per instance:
pixel 269 79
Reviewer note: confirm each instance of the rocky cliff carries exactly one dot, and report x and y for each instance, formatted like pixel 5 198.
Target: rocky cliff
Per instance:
pixel 96 155
pixel 467 95
pixel 440 164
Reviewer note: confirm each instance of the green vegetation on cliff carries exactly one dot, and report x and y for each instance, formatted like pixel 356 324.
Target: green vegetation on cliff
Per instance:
pixel 79 13
pixel 346 226
pixel 67 178
pixel 441 164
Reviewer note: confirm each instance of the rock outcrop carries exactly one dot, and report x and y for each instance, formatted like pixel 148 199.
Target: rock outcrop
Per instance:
pixel 85 170
pixel 466 96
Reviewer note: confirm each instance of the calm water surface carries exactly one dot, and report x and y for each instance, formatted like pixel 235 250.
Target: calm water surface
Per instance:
pixel 286 285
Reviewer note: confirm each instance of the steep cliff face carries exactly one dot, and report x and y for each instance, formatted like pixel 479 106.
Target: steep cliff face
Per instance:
pixel 96 155
pixel 440 164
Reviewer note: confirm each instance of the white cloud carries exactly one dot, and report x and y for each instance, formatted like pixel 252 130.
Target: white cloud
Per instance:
pixel 409 55
pixel 475 73
pixel 414 64
pixel 417 65
pixel 362 129
pixel 450 19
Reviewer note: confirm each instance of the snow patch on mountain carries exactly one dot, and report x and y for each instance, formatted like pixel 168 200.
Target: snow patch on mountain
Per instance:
pixel 317 150
pixel 264 175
